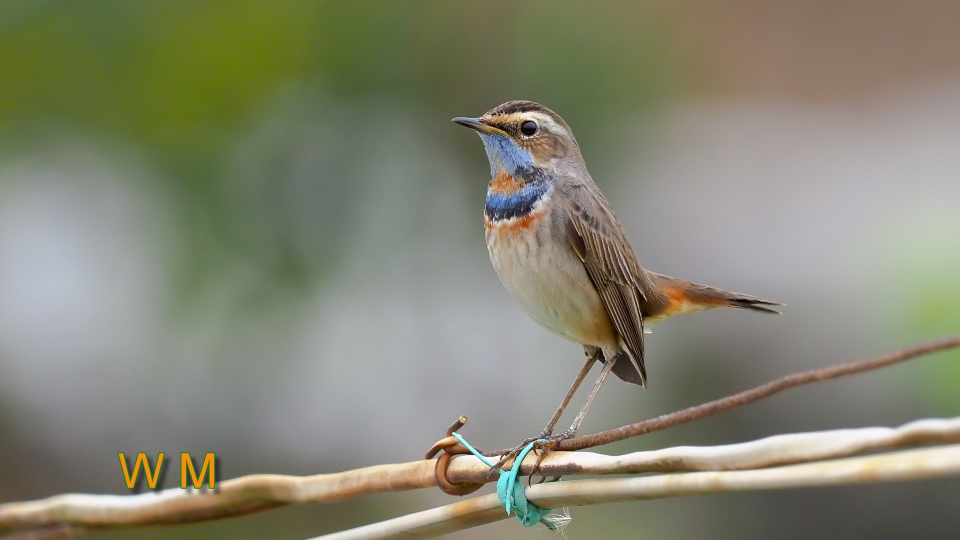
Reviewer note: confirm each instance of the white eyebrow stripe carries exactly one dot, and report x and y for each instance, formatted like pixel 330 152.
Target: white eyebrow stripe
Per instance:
pixel 545 121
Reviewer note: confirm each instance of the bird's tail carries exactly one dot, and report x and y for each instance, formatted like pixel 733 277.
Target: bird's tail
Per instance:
pixel 628 371
pixel 684 297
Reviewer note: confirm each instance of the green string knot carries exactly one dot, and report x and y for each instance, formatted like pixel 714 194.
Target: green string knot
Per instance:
pixel 512 495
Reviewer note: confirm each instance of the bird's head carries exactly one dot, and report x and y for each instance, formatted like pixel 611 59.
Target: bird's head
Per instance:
pixel 522 135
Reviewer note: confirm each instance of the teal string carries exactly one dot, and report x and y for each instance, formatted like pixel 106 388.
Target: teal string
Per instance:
pixel 511 493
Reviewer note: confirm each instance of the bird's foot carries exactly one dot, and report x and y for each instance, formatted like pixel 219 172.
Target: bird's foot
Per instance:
pixel 544 443
pixel 514 453
pixel 544 449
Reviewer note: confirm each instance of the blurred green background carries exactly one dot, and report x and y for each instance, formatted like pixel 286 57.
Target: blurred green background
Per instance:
pixel 250 228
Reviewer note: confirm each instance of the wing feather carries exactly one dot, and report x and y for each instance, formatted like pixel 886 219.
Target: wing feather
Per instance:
pixel 599 240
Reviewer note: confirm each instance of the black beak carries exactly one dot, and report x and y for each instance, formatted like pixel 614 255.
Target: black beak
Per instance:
pixel 477 124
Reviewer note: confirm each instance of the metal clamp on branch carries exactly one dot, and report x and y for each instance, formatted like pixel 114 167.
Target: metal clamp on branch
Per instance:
pixel 450 447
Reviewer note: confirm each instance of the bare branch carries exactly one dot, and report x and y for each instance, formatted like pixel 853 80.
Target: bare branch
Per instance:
pixel 762 453
pixel 73 514
pixel 260 492
pixel 907 465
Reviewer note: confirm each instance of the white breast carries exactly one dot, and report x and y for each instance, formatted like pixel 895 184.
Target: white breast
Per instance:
pixel 543 274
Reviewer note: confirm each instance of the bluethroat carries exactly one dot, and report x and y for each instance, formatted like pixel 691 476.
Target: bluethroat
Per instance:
pixel 562 254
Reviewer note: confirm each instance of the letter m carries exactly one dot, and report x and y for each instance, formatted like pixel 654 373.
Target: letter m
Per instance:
pixel 132 479
pixel 186 464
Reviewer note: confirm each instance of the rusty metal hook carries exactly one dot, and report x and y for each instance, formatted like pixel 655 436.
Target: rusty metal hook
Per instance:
pixel 450 447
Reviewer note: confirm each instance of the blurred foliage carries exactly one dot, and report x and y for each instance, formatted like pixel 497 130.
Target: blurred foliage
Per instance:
pixel 181 76
pixel 924 276
pixel 270 133
pixel 183 82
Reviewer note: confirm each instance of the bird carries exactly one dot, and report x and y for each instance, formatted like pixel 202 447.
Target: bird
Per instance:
pixel 560 251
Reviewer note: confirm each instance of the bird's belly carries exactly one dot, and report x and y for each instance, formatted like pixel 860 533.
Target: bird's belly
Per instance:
pixel 543 274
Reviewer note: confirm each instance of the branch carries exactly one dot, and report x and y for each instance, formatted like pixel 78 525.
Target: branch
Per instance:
pixel 260 492
pixel 76 513
pixel 908 465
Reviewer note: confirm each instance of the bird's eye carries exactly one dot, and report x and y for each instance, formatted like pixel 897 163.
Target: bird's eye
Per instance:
pixel 528 128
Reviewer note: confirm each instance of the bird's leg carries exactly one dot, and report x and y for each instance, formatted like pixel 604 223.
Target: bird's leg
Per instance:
pixel 568 434
pixel 548 430
pixel 552 440
pixel 592 357
pixel 547 433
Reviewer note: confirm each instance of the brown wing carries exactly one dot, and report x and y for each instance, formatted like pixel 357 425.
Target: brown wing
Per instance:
pixel 599 240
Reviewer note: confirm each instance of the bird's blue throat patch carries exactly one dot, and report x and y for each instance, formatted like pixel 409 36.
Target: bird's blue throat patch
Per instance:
pixel 504 154
pixel 511 196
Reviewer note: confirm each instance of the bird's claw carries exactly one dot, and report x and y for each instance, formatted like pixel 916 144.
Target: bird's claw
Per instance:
pixel 543 444
pixel 510 455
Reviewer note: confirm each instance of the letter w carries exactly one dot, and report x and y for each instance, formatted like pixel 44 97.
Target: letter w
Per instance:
pixel 132 479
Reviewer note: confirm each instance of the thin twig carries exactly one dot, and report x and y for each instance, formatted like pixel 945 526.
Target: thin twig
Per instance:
pixel 907 465
pixel 749 396
pixel 763 453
